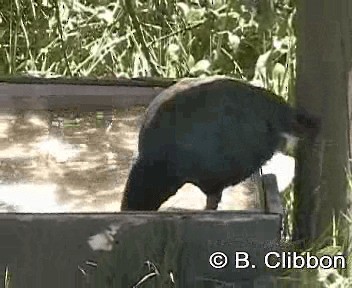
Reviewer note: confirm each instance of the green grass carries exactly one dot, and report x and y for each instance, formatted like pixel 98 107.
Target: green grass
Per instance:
pixel 109 39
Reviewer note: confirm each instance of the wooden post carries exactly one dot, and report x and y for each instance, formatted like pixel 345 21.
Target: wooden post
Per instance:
pixel 323 64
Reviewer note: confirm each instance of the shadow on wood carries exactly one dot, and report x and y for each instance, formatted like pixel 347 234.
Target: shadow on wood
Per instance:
pixel 52 250
pixel 179 247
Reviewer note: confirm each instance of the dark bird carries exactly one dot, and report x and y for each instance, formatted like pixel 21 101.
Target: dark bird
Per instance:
pixel 212 132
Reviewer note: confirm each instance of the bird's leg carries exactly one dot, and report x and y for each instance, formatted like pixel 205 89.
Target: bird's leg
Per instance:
pixel 213 200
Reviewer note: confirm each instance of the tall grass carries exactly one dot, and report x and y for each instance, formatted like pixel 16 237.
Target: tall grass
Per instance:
pixel 148 38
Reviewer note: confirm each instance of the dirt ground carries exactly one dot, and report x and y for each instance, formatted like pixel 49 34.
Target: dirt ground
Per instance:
pixel 79 163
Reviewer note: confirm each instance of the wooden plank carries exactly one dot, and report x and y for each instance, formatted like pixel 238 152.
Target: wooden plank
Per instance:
pixel 24 93
pixel 65 96
pixel 255 181
pixel 50 250
pixel 134 82
pixel 273 202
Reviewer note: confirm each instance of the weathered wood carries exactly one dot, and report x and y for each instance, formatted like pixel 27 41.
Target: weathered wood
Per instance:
pixel 323 68
pixel 273 203
pixel 256 183
pixel 49 250
pixel 82 97
pixel 23 93
pixel 135 82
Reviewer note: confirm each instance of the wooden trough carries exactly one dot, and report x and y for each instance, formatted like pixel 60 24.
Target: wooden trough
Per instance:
pixel 156 249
